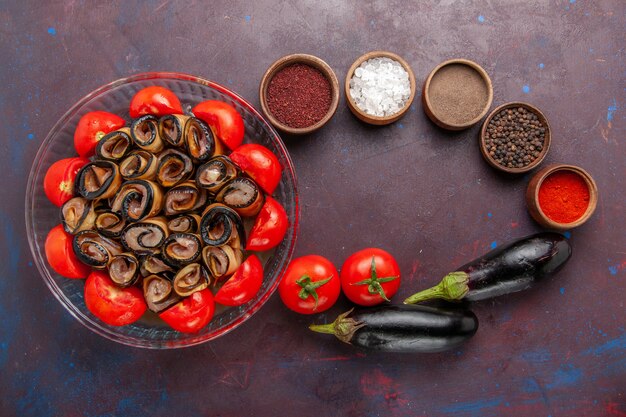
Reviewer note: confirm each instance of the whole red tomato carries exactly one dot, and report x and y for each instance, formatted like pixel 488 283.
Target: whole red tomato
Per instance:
pixel 61 256
pixel 155 100
pixel 91 128
pixel 111 304
pixel 269 227
pixel 58 184
pixel 260 163
pixel 223 117
pixel 191 314
pixel 370 276
pixel 310 285
pixel 243 285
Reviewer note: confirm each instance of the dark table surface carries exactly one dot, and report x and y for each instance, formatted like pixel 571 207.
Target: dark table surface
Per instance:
pixel 423 194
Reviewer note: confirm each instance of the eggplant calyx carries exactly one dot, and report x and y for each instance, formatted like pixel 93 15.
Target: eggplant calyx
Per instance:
pixel 373 282
pixel 343 327
pixel 309 288
pixel 452 287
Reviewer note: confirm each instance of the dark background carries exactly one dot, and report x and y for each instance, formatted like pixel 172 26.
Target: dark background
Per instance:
pixel 423 194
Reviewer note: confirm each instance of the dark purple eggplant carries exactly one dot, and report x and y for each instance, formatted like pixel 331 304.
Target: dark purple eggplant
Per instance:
pixel 402 328
pixel 508 269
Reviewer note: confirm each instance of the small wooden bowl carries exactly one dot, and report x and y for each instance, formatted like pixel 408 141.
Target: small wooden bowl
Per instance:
pixel 368 118
pixel 314 62
pixel 532 196
pixel 546 142
pixel 440 120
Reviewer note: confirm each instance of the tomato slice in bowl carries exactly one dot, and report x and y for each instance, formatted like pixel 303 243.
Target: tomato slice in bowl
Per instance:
pixel 243 285
pixel 58 184
pixel 260 163
pixel 269 227
pixel 191 314
pixel 111 304
pixel 92 127
pixel 224 118
pixel 61 256
pixel 155 100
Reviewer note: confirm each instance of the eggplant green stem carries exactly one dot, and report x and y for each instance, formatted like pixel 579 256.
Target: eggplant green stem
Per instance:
pixel 452 287
pixel 343 327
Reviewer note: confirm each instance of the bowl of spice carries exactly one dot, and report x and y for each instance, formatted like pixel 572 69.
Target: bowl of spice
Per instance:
pixel 457 94
pixel 561 196
pixel 299 93
pixel 380 87
pixel 515 137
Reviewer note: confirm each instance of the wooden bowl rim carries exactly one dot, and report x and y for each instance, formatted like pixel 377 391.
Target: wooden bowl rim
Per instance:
pixel 368 118
pixel 475 66
pixel 540 177
pixel 547 139
pixel 307 59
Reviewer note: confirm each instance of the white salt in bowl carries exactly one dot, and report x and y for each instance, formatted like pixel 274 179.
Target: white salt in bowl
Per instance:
pixel 369 118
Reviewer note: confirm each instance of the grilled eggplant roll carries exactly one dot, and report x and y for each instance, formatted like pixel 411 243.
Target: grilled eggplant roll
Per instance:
pixel 124 269
pixel 78 214
pixel 200 140
pixel 138 200
pixel 115 145
pixel 145 237
pixel 159 293
pixel 110 224
pixel 95 250
pixel 153 264
pixel 181 249
pixel 221 261
pixel 185 223
pixel 145 133
pixel 190 279
pixel 215 173
pixel 221 225
pixel 139 165
pixel 171 129
pixel 183 198
pixel 174 167
pixel 243 195
pixel 98 180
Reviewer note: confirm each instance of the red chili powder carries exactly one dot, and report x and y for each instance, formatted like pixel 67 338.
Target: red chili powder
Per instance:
pixel 564 196
pixel 298 95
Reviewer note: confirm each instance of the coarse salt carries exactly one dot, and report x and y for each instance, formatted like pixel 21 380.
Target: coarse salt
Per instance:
pixel 380 87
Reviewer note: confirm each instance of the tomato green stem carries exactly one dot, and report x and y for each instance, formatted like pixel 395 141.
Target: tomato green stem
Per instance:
pixel 452 287
pixel 309 288
pixel 343 327
pixel 373 282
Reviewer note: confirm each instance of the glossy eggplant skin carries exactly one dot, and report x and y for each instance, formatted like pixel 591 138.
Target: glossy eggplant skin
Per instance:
pixel 415 329
pixel 516 266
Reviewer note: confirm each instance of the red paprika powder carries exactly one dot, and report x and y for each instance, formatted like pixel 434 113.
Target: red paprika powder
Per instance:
pixel 564 196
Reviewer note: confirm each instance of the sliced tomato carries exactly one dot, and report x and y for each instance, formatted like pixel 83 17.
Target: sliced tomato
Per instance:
pixel 155 100
pixel 243 285
pixel 58 184
pixel 111 304
pixel 92 127
pixel 260 163
pixel 61 256
pixel 191 314
pixel 223 117
pixel 269 227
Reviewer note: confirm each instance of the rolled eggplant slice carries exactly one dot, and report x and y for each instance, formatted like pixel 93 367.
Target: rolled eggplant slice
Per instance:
pixel 190 279
pixel 146 237
pixel 95 250
pixel 138 200
pixel 185 223
pixel 124 269
pixel 174 167
pixel 145 133
pixel 115 145
pixel 139 165
pixel 78 214
pixel 216 172
pixel 243 195
pixel 222 261
pixel 183 198
pixel 200 140
pixel 110 224
pixel 159 293
pixel 153 264
pixel 98 179
pixel 221 225
pixel 181 249
pixel 171 129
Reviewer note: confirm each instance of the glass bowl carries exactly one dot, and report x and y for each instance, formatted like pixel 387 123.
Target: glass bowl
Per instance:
pixel 41 215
